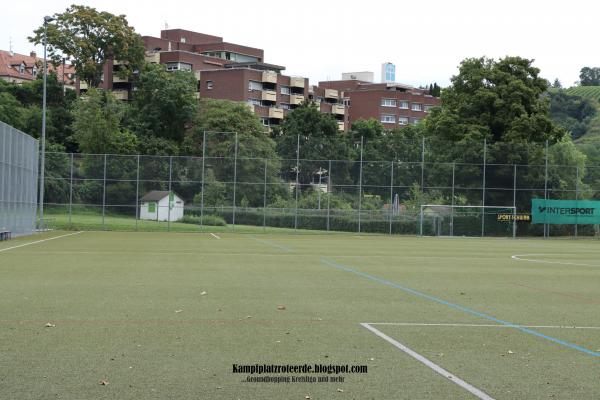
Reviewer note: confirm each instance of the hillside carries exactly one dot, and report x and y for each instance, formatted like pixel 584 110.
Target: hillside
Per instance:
pixel 587 92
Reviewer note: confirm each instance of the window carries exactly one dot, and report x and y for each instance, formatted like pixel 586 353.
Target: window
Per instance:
pixel 388 102
pixel 427 107
pixel 254 102
pixel 414 121
pixel 265 121
pixel 388 119
pixel 254 85
pixel 286 106
pixel 403 105
pixel 34 71
pixel 417 107
pixel 183 40
pixel 402 121
pixel 22 68
pixel 347 102
pixel 285 90
pixel 176 66
pixel 209 85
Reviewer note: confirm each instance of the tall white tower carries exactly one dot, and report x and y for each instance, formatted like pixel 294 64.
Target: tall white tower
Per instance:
pixel 388 72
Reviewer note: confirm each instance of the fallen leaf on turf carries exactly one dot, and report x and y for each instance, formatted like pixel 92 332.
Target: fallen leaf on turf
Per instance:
pixel 49 325
pixel 340 390
pixel 372 359
pixel 280 307
pixel 104 382
pixel 202 294
pixel 307 397
pixel 511 352
pixel 278 341
pixel 319 319
pixel 219 387
pixel 178 311
pixel 248 316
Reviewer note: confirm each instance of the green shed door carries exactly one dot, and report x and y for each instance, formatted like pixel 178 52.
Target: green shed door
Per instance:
pixel 151 207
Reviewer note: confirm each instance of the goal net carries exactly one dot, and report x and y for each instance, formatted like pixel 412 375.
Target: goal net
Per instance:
pixel 449 220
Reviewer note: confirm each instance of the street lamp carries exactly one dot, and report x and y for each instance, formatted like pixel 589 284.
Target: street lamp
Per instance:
pixel 320 172
pixel 43 136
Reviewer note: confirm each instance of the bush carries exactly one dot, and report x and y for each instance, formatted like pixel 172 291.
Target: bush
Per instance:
pixel 209 220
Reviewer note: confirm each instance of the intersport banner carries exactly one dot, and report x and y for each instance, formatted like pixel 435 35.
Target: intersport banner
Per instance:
pixel 565 212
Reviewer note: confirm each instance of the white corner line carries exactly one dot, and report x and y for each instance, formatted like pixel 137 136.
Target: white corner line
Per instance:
pixel 215 236
pixel 518 257
pixel 40 241
pixel 447 375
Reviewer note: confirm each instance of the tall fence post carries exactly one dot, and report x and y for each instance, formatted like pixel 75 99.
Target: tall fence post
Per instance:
pixel 483 188
pixel 265 198
pixel 360 174
pixel 514 200
pixel 329 191
pixel 104 193
pixel 297 182
pixel 137 193
pixel 391 208
pixel 71 191
pixel 423 165
pixel 170 194
pixel 453 199
pixel 202 180
pixel 234 179
pixel 576 193
pixel 546 227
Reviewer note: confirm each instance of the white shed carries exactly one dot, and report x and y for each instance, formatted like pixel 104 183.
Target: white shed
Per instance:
pixel 161 205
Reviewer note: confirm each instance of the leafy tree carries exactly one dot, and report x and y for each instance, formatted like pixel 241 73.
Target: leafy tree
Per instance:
pixel 557 84
pixel 88 38
pixel 97 124
pixel 496 100
pixel 164 103
pixel 571 112
pixel 434 90
pixel 11 111
pixel 589 76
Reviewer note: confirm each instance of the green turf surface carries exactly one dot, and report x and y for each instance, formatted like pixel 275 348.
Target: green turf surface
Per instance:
pixel 113 298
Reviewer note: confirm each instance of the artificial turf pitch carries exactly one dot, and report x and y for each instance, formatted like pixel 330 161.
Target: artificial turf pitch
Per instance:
pixel 128 309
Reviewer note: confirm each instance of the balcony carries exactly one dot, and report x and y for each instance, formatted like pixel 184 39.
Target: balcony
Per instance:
pixel 331 94
pixel 269 77
pixel 338 109
pixel 152 57
pixel 341 126
pixel 297 82
pixel 276 113
pixel 121 94
pixel 117 79
pixel 269 95
pixel 296 99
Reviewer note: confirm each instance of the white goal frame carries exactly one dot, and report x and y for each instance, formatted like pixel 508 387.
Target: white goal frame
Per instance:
pixel 482 208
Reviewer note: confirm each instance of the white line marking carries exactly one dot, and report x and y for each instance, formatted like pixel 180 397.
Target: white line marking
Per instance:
pixel 215 236
pixel 483 325
pixel 453 378
pixel 40 241
pixel 518 258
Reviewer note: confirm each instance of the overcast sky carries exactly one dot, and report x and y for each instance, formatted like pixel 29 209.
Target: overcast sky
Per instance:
pixel 321 39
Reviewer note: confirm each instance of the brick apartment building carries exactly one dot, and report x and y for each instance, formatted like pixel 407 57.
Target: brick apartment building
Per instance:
pixel 393 104
pixel 18 68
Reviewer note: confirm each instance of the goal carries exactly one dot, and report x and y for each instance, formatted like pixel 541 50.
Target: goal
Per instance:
pixel 453 220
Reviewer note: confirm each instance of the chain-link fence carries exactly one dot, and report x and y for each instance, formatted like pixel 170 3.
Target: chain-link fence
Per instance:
pixel 18 181
pixel 245 183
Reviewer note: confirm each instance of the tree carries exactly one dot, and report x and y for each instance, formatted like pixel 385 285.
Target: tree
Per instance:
pixel 164 103
pixel 495 100
pixel 589 76
pixel 557 84
pixel 88 39
pixel 97 124
pixel 435 90
pixel 571 112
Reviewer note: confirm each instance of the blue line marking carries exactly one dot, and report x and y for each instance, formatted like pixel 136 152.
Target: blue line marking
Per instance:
pixel 273 244
pixel 460 308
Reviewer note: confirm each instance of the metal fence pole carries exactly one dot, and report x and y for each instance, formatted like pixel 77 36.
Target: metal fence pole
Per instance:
pixel 360 174
pixel 452 201
pixel 546 228
pixel 297 182
pixel 137 193
pixel 576 194
pixel 71 191
pixel 483 188
pixel 202 181
pixel 265 198
pixel 234 178
pixel 514 200
pixel 423 165
pixel 391 208
pixel 104 193
pixel 170 194
pixel 329 191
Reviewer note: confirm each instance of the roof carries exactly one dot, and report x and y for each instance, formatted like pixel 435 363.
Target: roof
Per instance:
pixel 10 62
pixel 256 65
pixel 155 195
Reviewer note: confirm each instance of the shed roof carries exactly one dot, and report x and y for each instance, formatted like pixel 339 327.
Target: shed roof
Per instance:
pixel 155 195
